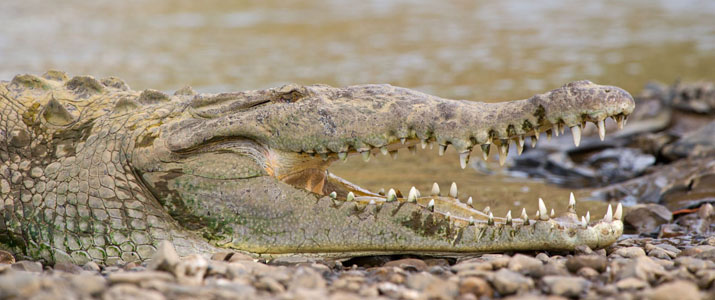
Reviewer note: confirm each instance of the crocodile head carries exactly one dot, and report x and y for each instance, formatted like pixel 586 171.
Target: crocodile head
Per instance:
pixel 250 170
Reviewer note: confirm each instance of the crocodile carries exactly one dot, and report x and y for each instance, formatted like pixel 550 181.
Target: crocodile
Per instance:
pixel 94 171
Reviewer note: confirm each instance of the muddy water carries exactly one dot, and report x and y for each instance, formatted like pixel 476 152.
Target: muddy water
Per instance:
pixel 481 50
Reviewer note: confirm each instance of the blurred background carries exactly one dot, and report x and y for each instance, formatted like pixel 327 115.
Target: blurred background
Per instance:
pixel 479 50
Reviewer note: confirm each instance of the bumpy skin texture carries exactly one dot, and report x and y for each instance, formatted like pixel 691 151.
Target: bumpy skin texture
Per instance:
pixel 92 170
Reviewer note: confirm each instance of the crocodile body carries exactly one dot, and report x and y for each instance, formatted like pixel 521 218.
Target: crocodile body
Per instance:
pixel 92 170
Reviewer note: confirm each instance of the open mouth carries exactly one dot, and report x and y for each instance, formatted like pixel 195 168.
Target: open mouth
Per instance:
pixel 309 170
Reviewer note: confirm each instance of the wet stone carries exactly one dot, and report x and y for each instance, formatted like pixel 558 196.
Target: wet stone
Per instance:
pixel 645 218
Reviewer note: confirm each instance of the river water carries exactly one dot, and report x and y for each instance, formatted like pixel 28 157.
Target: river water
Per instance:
pixel 479 50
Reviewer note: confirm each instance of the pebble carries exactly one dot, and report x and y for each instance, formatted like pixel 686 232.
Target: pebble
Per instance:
pixel 643 268
pixel 27 266
pixel 165 258
pixel 525 264
pixel 138 277
pixel 408 264
pixel 568 286
pixel 68 268
pixel 595 262
pixel 91 266
pixel 645 218
pixel 508 282
pixel 476 286
pixel 629 252
pixel 682 290
pixel 631 283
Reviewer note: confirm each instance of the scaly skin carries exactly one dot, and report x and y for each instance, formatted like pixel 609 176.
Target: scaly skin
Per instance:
pixel 92 170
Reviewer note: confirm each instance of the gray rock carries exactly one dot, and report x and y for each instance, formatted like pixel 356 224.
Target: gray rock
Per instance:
pixel 629 252
pixel 91 266
pixel 631 283
pixel 27 266
pixel 645 218
pixel 306 278
pixel 587 273
pixel 138 277
pixel 88 284
pixel 643 268
pixel 68 268
pixel 472 265
pixel 661 253
pixel 442 289
pixel 165 258
pixel 568 286
pixel 682 290
pixel 191 269
pixel 420 281
pixel 475 286
pixel 508 282
pixel 525 264
pixel 19 284
pixel 498 261
pixel 269 284
pixel 126 291
pixel 595 262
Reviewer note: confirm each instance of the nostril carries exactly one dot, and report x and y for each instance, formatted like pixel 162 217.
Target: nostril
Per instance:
pixel 608 90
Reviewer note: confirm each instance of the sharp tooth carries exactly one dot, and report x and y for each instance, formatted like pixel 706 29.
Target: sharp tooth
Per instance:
pixel 548 135
pixel 417 193
pixel 485 151
pixel 519 145
pixel 381 192
pixel 431 145
pixel 601 129
pixel 423 143
pixel 471 220
pixel 412 197
pixel 524 216
pixel 391 195
pixel 430 205
pixel 543 213
pixel 533 142
pixel 470 202
pixel 619 121
pixel 609 214
pixel 435 189
pixel 350 197
pixel 333 195
pixel 402 140
pixel 463 159
pixel 372 202
pixel 552 214
pixel 618 215
pixel 490 221
pixel 576 132
pixel 572 203
pixel 393 154
pixel 343 156
pixel 555 129
pixel 562 128
pixel 365 156
pixel 412 149
pixel 625 120
pixel 442 148
pixel 583 222
pixel 487 210
pixel 453 190
pixel 383 150
pixel 503 151
pixel 508 218
pixel 588 216
pixel 536 133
